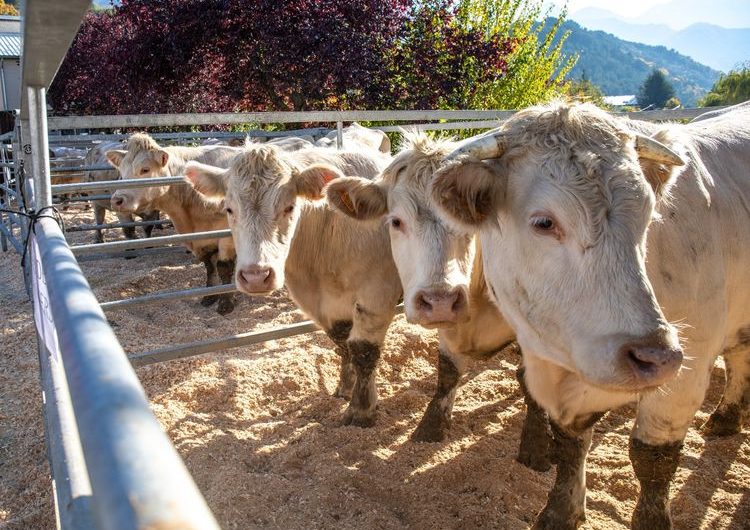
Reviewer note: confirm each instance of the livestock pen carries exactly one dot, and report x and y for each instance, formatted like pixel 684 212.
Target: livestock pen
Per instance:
pixel 258 428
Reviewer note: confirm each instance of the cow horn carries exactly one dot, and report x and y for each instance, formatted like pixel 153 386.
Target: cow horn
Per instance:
pixel 482 148
pixel 650 149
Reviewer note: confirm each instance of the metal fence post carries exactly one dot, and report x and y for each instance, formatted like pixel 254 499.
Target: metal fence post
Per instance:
pixel 36 98
pixel 339 135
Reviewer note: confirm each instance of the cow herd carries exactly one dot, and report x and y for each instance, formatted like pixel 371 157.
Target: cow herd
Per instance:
pixel 614 254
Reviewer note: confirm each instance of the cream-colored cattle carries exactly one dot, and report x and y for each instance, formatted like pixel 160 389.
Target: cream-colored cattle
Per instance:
pixel 339 272
pixel 442 276
pixel 96 156
pixel 563 198
pixel 188 210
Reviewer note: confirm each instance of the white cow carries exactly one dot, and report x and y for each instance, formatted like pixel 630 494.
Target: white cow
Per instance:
pixel 563 197
pixel 443 279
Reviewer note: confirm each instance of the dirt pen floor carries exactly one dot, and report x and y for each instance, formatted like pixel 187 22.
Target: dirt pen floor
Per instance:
pixel 259 429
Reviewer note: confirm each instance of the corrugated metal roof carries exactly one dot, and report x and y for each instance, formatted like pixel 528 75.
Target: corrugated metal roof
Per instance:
pixel 10 45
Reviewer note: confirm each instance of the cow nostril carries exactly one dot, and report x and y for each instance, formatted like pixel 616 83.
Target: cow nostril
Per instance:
pixel 642 364
pixel 423 303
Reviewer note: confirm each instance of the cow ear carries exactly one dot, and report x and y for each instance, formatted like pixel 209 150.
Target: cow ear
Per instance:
pixel 162 157
pixel 207 180
pixel 309 182
pixel 358 198
pixel 115 156
pixel 660 160
pixel 467 193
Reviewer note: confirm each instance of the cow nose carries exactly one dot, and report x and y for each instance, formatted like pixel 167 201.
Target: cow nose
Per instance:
pixel 652 361
pixel 117 201
pixel 256 278
pixel 440 306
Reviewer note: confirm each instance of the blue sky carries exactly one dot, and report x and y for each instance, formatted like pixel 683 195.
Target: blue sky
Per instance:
pixel 630 8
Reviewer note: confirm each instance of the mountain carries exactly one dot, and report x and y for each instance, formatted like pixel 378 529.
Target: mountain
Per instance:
pixel 619 67
pixel 680 14
pixel 721 48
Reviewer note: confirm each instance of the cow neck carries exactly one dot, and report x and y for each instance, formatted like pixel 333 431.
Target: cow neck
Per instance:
pixel 174 203
pixel 316 229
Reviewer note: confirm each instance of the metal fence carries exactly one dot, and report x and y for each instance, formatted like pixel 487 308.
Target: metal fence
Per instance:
pixel 112 465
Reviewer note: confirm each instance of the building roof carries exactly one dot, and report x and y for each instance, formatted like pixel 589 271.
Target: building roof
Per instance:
pixel 10 45
pixel 621 101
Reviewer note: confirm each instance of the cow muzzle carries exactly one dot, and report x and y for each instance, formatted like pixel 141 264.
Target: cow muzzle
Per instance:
pixel 651 360
pixel 122 203
pixel 440 307
pixel 256 279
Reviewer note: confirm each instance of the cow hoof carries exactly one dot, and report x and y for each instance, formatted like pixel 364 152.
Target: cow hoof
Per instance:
pixel 208 301
pixel 225 307
pixel 534 460
pixel 550 519
pixel 358 418
pixel 429 432
pixel 647 517
pixel 723 423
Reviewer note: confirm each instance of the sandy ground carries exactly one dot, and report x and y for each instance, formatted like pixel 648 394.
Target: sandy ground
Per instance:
pixel 259 429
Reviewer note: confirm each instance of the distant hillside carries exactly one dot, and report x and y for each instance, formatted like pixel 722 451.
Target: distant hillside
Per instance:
pixel 619 67
pixel 718 47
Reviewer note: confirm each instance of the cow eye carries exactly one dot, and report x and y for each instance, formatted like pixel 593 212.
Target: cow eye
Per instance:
pixel 396 223
pixel 289 209
pixel 543 224
pixel 144 170
pixel 228 211
pixel 546 225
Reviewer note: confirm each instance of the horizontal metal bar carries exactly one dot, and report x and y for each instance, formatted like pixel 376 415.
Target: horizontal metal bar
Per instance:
pixel 81 198
pixel 108 226
pixel 137 476
pixel 211 345
pixel 150 242
pixel 129 254
pixel 224 343
pixel 443 126
pixel 666 114
pixel 256 133
pixel 80 169
pixel 227 118
pixel 170 295
pixel 118 184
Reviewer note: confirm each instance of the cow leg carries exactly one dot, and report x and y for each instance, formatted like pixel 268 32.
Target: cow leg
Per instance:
pixel 662 422
pixel 339 333
pixel 100 213
pixel 566 503
pixel 536 436
pixel 735 402
pixel 129 231
pixel 655 466
pixel 225 269
pixel 437 418
pixel 209 261
pixel 364 342
pixel 150 216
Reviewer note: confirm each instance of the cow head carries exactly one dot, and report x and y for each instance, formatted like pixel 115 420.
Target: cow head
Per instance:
pixel 562 197
pixel 261 190
pixel 142 158
pixel 433 260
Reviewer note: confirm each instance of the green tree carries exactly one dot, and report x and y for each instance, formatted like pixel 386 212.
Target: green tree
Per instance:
pixel 585 91
pixel 731 88
pixel 537 66
pixel 656 90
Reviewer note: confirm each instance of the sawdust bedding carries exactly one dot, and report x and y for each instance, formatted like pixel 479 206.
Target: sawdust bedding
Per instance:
pixel 259 430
